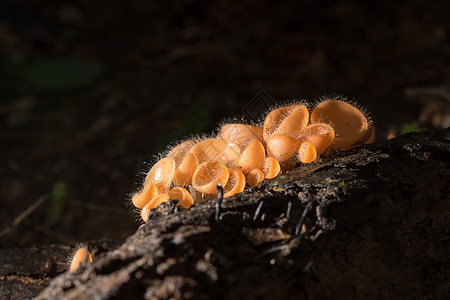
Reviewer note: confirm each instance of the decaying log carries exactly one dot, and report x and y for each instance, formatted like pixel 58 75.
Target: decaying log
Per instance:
pixel 369 223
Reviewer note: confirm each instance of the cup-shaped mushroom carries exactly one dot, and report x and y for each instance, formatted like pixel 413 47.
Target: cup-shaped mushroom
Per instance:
pixel 179 152
pixel 271 168
pixel 185 170
pixel 252 157
pixel 349 123
pixel 81 256
pixel 235 184
pixel 281 147
pixel 287 120
pixel 368 138
pixel 321 135
pixel 161 174
pixel 254 177
pixel 307 152
pixel 145 212
pixel 208 174
pixel 145 195
pixel 182 195
pixel 216 150
pixel 240 134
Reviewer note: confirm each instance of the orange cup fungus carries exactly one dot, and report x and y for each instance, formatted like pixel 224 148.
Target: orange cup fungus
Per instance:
pixel 349 123
pixel 271 168
pixel 255 177
pixel 208 174
pixel 145 212
pixel 215 149
pixel 236 183
pixel 182 195
pixel 288 120
pixel 321 135
pixel 252 157
pixel 161 174
pixel 307 153
pixel 148 192
pixel 81 256
pixel 236 156
pixel 240 134
pixel 282 147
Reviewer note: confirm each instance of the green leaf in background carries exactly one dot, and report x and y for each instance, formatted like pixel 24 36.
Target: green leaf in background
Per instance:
pixel 407 128
pixel 61 74
pixel 58 198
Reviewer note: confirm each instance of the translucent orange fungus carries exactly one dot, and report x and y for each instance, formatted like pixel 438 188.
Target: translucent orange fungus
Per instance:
pixel 235 184
pixel 282 147
pixel 307 152
pixel 81 256
pixel 287 120
pixel 182 195
pixel 240 134
pixel 254 177
pixel 271 168
pixel 207 175
pixel 349 123
pixel 252 157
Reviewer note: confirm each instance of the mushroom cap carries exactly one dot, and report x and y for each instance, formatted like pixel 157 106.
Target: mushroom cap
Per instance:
pixel 321 135
pixel 183 174
pixel 281 147
pixel 214 149
pixel 81 256
pixel 252 157
pixel 208 174
pixel 349 123
pixel 236 183
pixel 161 174
pixel 271 168
pixel 307 152
pixel 145 212
pixel 240 134
pixel 254 177
pixel 179 152
pixel 287 120
pixel 145 195
pixel 182 195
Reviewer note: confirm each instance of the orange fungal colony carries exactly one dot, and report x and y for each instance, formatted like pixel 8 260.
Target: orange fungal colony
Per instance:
pixel 242 155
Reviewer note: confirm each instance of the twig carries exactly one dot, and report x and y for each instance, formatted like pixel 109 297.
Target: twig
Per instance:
pixel 23 215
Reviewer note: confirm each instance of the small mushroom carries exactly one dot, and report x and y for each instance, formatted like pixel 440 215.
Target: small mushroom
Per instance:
pixel 81 256
pixel 255 177
pixel 321 135
pixel 214 149
pixel 348 122
pixel 182 195
pixel 271 168
pixel 145 212
pixel 307 152
pixel 185 170
pixel 161 174
pixel 282 147
pixel 207 175
pixel 145 195
pixel 236 183
pixel 240 134
pixel 287 120
pixel 252 157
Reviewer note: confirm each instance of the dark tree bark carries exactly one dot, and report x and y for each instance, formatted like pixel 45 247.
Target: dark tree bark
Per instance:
pixel 369 223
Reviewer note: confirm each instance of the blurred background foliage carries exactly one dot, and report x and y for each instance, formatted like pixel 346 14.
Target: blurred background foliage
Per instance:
pixel 90 90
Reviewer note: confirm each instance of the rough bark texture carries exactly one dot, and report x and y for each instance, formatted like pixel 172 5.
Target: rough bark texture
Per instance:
pixel 369 223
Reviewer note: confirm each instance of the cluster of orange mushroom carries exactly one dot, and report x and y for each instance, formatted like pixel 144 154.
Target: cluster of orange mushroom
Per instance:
pixel 242 155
